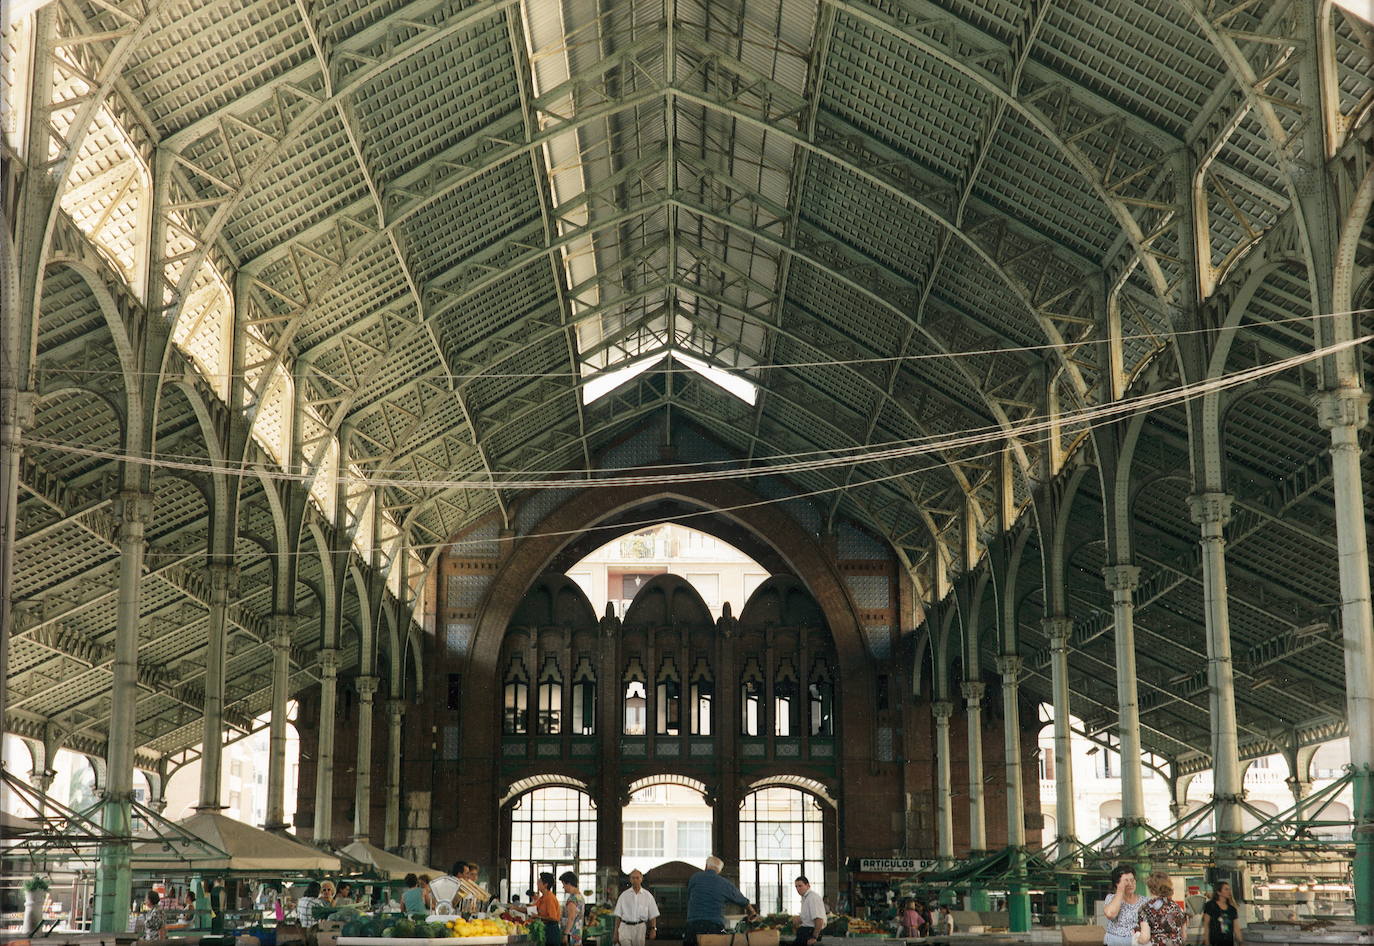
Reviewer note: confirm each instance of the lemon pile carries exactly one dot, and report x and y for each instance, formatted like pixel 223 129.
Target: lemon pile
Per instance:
pixel 486 927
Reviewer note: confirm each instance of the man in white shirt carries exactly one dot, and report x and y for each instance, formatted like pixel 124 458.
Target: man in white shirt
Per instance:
pixel 636 914
pixel 812 918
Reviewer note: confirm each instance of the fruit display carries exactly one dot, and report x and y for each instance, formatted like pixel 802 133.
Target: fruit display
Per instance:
pixel 392 926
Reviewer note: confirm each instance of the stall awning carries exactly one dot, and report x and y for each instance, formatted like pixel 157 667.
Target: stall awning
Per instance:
pixel 383 863
pixel 238 847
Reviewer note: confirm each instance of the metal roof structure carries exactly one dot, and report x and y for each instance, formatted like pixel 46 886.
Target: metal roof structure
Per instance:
pixel 400 247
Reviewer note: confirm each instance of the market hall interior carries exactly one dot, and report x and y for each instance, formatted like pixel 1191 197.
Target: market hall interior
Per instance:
pixel 925 441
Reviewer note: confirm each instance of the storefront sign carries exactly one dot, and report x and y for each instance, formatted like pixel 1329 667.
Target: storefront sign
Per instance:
pixel 894 865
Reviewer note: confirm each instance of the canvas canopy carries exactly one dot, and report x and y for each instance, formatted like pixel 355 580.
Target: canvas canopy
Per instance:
pixel 230 845
pixel 383 863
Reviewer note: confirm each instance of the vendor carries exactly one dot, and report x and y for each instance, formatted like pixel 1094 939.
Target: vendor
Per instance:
pixel 547 909
pixel 413 899
pixel 707 894
pixel 308 904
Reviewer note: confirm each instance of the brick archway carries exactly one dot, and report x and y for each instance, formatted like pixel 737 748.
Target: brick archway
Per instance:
pixel 528 557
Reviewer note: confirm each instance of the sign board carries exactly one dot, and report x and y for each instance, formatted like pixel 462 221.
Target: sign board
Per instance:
pixel 895 865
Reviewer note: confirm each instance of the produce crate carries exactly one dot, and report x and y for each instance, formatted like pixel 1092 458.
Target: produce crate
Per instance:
pixel 752 938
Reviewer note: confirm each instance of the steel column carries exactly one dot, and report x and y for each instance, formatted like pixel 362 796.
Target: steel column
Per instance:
pixel 395 714
pixel 1211 511
pixel 362 788
pixel 1059 630
pixel 212 732
pixel 1345 412
pixel 16 413
pixel 1122 580
pixel 943 710
pixel 977 822
pixel 977 818
pixel 1018 897
pixel 114 878
pixel 276 759
pixel 324 753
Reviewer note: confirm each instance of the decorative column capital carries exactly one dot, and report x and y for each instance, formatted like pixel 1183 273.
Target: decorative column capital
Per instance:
pixel 1121 577
pixel 1059 630
pixel 1342 408
pixel 280 627
pixel 1210 509
pixel 973 690
pixel 1010 666
pixel 396 711
pixel 329 661
pixel 134 509
pixel 943 711
pixel 224 581
pixel 367 688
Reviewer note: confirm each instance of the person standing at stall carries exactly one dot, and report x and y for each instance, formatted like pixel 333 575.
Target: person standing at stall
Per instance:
pixel 413 898
pixel 546 908
pixel 707 894
pixel 636 914
pixel 811 920
pixel 574 909
pixel 154 923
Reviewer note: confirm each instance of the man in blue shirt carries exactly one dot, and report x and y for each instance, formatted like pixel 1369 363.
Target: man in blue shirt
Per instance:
pixel 707 894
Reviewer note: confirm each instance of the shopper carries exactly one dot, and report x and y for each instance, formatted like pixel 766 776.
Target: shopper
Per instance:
pixel 1221 918
pixel 412 898
pixel 154 923
pixel 327 892
pixel 547 909
pixel 945 924
pixel 636 914
pixel 811 919
pixel 574 909
pixel 707 894
pixel 344 897
pixel 307 905
pixel 427 894
pixel 1123 910
pixel 912 922
pixel 1168 923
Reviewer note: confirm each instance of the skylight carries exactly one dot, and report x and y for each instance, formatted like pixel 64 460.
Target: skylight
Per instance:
pixel 607 380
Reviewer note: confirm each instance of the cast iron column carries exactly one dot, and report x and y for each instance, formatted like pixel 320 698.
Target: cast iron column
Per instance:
pixel 1018 896
pixel 977 820
pixel 324 753
pixel 944 787
pixel 362 788
pixel 391 832
pixel 1211 512
pixel 1122 580
pixel 1345 412
pixel 276 758
pixel 1059 630
pixel 212 732
pixel 114 880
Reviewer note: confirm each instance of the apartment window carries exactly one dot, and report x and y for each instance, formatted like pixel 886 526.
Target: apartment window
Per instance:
pixel 693 839
pixel 1046 765
pixel 643 839
pixel 1107 763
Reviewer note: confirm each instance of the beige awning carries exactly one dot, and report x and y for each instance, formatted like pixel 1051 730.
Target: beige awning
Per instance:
pixel 244 847
pixel 384 863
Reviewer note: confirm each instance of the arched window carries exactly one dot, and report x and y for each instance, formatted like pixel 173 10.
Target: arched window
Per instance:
pixel 550 698
pixel 553 829
pixel 751 699
pixel 781 835
pixel 517 699
pixel 636 699
pixel 669 708
pixel 786 699
pixel 822 700
pixel 703 698
pixel 584 699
